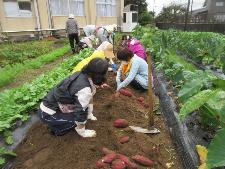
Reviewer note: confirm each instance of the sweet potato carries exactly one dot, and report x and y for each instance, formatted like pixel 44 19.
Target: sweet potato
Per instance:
pixel 118 164
pixel 143 160
pixel 124 139
pixel 101 164
pixel 125 92
pixel 109 158
pixel 120 123
pixel 145 105
pixel 140 99
pixel 107 151
pixel 127 161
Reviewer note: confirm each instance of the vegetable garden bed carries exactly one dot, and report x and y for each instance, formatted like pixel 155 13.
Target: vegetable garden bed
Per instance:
pixel 199 95
pixel 17 102
pixel 42 150
pixel 9 73
pixel 18 52
pixel 192 102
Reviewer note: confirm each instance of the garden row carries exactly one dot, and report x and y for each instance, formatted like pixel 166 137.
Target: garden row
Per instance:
pixel 16 103
pixel 197 90
pixel 10 72
pixel 204 48
pixel 18 52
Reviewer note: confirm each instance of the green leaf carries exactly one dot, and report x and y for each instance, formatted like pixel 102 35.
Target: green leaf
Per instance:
pixel 4 151
pixel 217 103
pixel 189 89
pixel 25 117
pixel 8 137
pixel 209 117
pixel 2 161
pixel 220 83
pixel 195 102
pixel 216 150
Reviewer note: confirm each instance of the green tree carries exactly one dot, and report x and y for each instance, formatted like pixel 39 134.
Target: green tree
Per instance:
pixel 205 3
pixel 142 5
pixel 145 18
pixel 173 13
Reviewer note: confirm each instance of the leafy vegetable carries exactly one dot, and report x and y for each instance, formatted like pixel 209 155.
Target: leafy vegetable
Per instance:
pixel 216 153
pixel 195 102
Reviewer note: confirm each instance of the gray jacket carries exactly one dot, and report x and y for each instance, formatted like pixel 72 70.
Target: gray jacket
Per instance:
pixel 71 26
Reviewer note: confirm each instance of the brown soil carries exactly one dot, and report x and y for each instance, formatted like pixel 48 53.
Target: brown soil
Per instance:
pixel 30 74
pixel 41 150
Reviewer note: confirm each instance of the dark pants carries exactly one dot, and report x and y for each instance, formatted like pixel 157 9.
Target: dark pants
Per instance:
pixel 71 39
pixel 59 123
pixel 137 86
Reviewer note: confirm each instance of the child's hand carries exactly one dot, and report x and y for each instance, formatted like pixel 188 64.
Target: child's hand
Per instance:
pixel 105 85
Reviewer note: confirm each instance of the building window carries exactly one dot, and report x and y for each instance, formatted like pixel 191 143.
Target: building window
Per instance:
pixel 134 17
pixel 106 8
pixel 66 7
pixel 220 17
pixel 17 9
pixel 219 3
pixel 124 17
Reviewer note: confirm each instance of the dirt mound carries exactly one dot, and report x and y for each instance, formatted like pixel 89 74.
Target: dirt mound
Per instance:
pixel 41 150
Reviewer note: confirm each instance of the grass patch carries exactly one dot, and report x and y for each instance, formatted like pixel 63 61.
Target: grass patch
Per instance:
pixel 9 73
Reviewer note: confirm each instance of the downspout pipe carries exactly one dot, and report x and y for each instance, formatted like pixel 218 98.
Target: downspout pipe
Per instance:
pixel 1 30
pixel 50 14
pixel 37 17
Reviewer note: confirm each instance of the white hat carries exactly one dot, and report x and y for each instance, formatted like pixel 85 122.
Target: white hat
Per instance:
pixel 71 16
pixel 107 48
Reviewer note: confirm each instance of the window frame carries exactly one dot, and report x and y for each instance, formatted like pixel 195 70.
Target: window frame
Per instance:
pixel 124 17
pixel 21 13
pixel 134 13
pixel 219 3
pixel 68 7
pixel 107 3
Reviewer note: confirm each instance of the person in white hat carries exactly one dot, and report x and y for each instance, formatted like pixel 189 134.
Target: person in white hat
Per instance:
pixel 106 33
pixel 72 31
pixel 89 30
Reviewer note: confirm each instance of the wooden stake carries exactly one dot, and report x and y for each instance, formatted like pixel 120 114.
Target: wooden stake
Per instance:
pixel 150 95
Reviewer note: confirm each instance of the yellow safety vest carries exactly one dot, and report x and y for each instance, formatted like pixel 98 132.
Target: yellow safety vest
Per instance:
pixel 96 54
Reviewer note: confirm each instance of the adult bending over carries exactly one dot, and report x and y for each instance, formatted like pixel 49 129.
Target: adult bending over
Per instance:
pixel 68 105
pixel 104 51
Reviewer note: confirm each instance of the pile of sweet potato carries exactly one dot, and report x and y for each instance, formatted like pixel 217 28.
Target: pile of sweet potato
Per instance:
pixel 140 100
pixel 113 160
pixel 126 92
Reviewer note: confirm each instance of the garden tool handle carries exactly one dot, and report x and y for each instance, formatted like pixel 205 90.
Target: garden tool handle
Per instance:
pixel 150 95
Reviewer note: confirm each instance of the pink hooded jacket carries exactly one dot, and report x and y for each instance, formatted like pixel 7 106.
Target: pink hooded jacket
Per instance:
pixel 136 47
